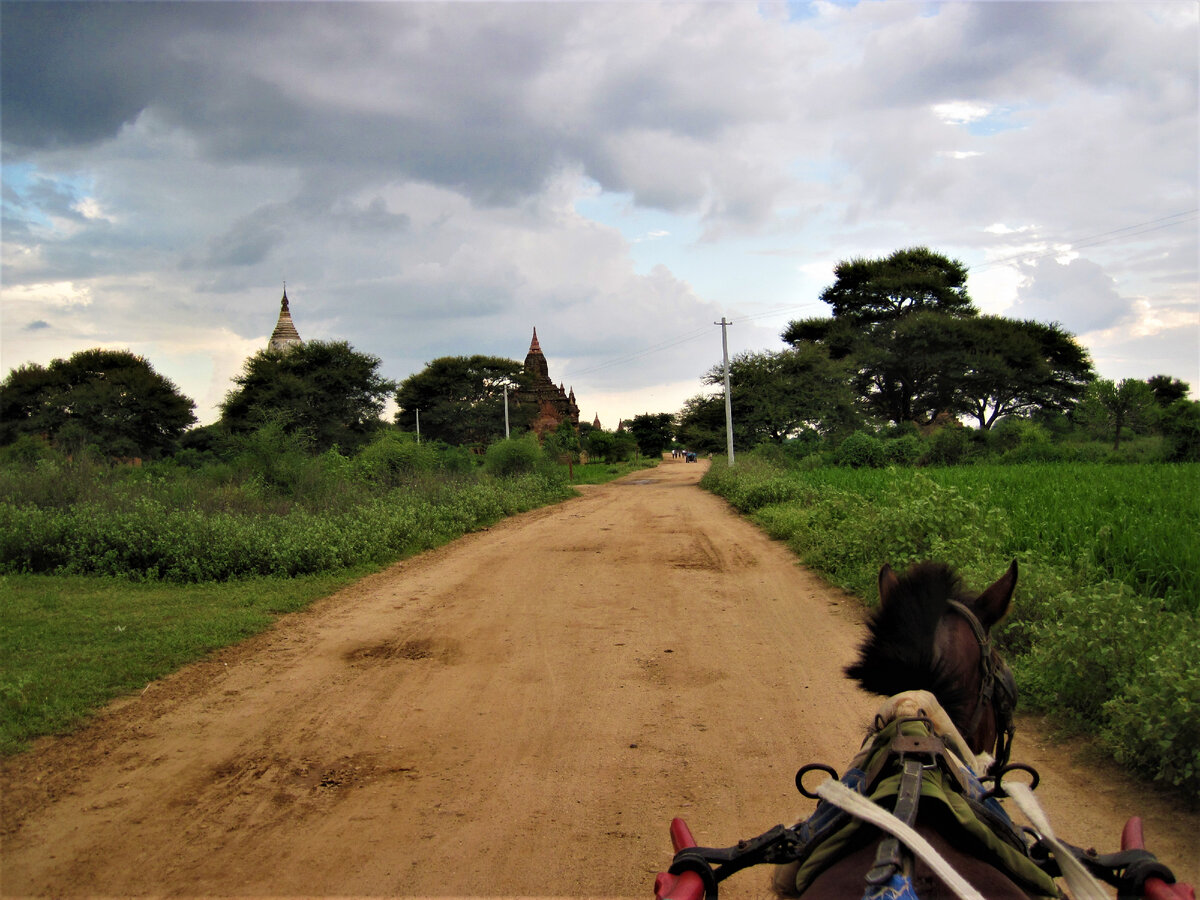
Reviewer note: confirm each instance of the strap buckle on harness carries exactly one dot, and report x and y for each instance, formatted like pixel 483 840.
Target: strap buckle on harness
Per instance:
pixel 916 752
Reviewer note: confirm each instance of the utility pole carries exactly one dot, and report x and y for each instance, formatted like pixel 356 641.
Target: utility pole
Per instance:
pixel 418 426
pixel 728 402
pixel 506 412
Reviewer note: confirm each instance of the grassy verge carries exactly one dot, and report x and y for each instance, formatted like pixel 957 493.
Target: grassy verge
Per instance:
pixel 1105 627
pixel 601 473
pixel 72 643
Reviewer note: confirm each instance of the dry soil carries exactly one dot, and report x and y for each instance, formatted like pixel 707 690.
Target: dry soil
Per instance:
pixel 518 713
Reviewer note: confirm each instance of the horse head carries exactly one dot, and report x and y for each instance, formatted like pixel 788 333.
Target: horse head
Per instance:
pixel 930 634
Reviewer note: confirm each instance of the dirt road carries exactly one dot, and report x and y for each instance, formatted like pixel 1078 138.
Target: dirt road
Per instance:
pixel 518 713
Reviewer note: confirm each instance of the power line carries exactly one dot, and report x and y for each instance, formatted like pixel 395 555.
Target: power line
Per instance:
pixel 1093 240
pixel 1103 237
pixel 683 339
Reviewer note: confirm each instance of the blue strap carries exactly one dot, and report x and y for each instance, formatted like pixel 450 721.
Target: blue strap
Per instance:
pixel 898 887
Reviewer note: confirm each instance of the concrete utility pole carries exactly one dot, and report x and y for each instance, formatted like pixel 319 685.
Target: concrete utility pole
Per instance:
pixel 728 403
pixel 418 426
pixel 506 412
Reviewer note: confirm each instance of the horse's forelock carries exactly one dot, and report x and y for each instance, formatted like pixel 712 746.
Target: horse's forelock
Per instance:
pixel 898 653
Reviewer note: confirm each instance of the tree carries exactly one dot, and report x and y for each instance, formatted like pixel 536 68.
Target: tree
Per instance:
pixel 1018 367
pixel 918 349
pixel 700 424
pixel 869 291
pixel 461 399
pixel 1117 406
pixel 775 395
pixel 653 432
pixel 893 324
pixel 112 400
pixel 609 446
pixel 907 370
pixel 323 389
pixel 1167 390
pixel 1181 431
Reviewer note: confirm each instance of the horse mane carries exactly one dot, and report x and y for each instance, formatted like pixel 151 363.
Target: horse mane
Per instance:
pixel 898 655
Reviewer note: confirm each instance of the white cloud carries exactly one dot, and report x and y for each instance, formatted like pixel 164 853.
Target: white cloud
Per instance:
pixel 437 179
pixel 960 112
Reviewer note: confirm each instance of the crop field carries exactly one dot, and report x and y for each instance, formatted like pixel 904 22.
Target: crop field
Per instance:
pixel 1106 620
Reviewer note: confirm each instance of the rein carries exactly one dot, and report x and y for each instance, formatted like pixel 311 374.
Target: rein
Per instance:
pixel 997 687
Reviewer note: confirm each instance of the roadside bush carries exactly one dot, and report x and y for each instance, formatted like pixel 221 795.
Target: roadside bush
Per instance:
pixel 861 450
pixel 1153 724
pixel 949 446
pixel 514 456
pixel 903 451
pixel 1181 431
pixel 393 457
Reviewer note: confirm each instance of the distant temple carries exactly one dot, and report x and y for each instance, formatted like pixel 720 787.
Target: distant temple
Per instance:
pixel 285 336
pixel 551 404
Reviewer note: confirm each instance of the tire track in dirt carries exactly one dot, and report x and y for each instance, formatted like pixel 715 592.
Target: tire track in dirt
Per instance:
pixel 518 713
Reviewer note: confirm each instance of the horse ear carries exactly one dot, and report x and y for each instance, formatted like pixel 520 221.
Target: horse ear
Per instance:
pixel 993 603
pixel 888 583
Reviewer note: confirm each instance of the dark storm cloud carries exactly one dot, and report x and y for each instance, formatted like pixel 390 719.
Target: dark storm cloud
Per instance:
pixel 428 92
pixel 462 95
pixel 74 73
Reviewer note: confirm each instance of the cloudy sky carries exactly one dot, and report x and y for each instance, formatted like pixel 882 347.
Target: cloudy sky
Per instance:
pixel 437 179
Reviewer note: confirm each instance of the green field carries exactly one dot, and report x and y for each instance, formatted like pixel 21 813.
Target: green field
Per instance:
pixel 1106 624
pixel 111 577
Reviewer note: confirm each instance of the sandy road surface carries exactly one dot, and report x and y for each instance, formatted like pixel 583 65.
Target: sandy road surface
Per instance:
pixel 520 712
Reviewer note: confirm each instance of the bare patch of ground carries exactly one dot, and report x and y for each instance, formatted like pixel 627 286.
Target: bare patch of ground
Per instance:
pixel 518 713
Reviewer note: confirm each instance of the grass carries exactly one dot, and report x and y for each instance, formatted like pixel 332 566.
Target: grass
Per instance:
pixel 601 472
pixel 72 643
pixel 1104 630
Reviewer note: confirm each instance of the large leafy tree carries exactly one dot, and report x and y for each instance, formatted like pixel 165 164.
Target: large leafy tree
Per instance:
pixel 1113 406
pixel 1013 367
pixel 917 348
pixel 653 432
pixel 700 424
pixel 1167 389
pixel 325 390
pixel 869 291
pixel 775 395
pixel 461 399
pixel 111 400
pixel 893 324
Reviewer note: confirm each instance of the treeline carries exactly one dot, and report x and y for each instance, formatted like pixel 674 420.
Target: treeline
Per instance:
pixel 323 395
pixel 906 358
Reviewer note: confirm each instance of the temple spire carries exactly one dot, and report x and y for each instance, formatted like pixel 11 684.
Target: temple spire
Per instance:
pixel 285 336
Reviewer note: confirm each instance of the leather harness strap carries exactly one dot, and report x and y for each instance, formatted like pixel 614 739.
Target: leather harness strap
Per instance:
pixel 994 673
pixel 916 753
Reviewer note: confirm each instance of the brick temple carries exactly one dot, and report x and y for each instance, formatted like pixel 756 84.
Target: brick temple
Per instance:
pixel 551 403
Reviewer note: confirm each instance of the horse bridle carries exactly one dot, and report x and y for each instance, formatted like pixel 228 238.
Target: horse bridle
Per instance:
pixel 997 687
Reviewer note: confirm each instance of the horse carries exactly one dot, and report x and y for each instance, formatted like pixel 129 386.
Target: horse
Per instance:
pixel 931 635
pixel 911 818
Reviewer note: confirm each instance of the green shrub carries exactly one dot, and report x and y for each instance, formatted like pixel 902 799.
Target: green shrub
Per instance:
pixel 1153 724
pixel 861 450
pixel 949 446
pixel 904 450
pixel 514 456
pixel 394 457
pixel 1181 431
